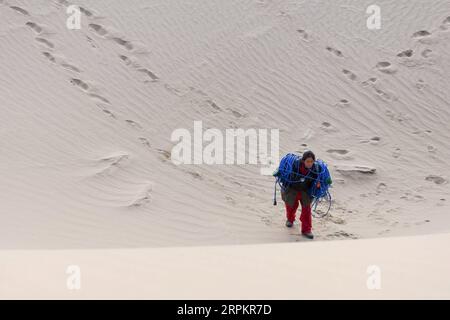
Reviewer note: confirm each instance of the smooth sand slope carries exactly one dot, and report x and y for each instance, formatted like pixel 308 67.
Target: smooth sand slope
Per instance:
pixel 87 117
pixel 387 268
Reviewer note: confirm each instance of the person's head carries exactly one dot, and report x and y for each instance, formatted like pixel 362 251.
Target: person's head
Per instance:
pixel 308 159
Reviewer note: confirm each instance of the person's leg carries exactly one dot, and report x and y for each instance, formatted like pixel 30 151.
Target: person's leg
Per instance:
pixel 306 215
pixel 291 207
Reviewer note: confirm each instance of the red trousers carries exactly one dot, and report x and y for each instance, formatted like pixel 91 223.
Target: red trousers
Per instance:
pixel 305 217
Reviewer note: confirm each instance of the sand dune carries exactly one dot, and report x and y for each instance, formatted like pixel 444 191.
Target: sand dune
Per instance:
pixel 88 115
pixel 386 268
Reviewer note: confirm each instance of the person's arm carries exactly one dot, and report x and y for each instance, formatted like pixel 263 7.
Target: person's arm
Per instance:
pixel 296 178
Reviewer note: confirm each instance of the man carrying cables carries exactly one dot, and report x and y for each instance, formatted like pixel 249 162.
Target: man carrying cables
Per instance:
pixel 300 179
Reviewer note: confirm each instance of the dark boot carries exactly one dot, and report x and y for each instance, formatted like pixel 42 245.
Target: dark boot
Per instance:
pixel 289 224
pixel 308 235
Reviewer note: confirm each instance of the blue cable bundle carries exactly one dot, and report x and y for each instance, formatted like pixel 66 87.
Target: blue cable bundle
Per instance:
pixel 324 177
pixel 285 176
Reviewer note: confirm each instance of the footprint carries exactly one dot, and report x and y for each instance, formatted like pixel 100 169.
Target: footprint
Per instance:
pixel 214 105
pixel 79 83
pixel 342 234
pixel 134 124
pixel 46 42
pixel 126 44
pixel 99 97
pixel 338 151
pixel 335 51
pixel 385 67
pixel 384 232
pixel 63 2
pixel 166 154
pixel 109 113
pixel 349 74
pixel 327 127
pixel 20 10
pixel 421 34
pixel 237 114
pixel 116 160
pixel 407 53
pixel 149 73
pixel 36 28
pixel 370 81
pixel 383 94
pixel 418 223
pixel 173 89
pixel 143 198
pixel 98 29
pixel 303 34
pixel 420 84
pixel 85 87
pixel 373 140
pixel 70 67
pixel 398 117
pixel 91 42
pixel 383 64
pixel 408 196
pixel 381 187
pixel 125 59
pixel 145 142
pixel 424 37
pixel 49 56
pixel 129 62
pixel 436 179
pixel 343 103
pixel 397 153
pixel 336 220
pixel 86 12
pixel 196 175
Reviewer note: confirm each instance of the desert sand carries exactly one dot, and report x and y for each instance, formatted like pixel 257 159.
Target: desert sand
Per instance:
pixel 414 267
pixel 88 114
